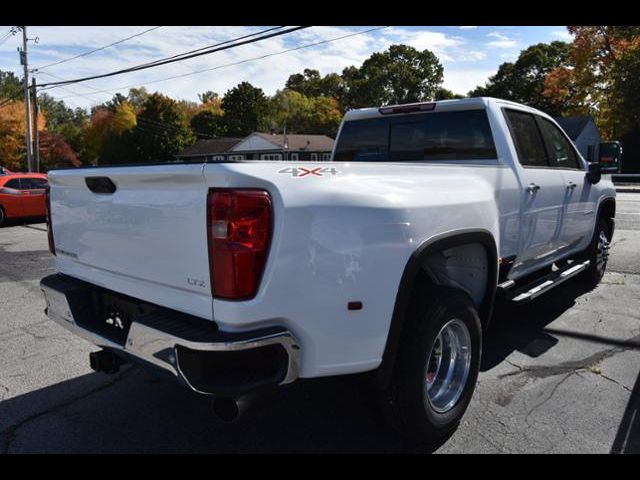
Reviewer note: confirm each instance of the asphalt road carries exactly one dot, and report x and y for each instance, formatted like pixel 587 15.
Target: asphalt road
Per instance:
pixel 559 375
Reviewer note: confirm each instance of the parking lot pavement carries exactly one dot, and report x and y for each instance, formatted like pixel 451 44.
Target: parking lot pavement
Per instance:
pixel 558 375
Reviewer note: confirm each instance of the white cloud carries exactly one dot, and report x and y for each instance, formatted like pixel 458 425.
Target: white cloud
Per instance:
pixel 503 44
pixel 472 55
pixel 498 35
pixel 270 74
pixel 562 35
pixel 502 41
pixel 463 80
pixel 467 28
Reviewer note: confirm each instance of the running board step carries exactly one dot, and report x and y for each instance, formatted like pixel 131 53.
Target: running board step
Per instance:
pixel 546 283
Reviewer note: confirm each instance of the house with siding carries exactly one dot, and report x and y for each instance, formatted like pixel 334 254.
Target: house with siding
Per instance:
pixel 584 133
pixel 261 146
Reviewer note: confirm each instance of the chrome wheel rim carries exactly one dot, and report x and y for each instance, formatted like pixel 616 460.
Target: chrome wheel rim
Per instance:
pixel 448 366
pixel 602 251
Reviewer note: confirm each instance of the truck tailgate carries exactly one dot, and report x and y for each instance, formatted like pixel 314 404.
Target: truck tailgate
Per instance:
pixel 149 234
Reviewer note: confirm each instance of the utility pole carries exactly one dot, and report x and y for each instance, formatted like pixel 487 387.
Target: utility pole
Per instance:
pixel 27 103
pixel 285 144
pixel 36 112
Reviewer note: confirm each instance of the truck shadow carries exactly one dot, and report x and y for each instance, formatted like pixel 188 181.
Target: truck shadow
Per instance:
pixel 522 328
pixel 142 411
pixel 35 221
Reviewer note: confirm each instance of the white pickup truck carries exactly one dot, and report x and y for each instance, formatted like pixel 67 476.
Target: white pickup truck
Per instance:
pixel 240 276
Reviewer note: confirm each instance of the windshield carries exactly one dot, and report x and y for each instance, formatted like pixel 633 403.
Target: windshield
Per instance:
pixel 459 135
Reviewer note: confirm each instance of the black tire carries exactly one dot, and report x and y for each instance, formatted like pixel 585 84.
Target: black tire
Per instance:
pixel 406 404
pixel 3 217
pixel 597 256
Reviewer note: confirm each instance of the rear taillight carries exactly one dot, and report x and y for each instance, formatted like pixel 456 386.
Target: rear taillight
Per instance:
pixel 52 245
pixel 239 224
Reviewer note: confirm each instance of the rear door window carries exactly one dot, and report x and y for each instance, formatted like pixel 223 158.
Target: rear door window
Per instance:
pixel 561 152
pixel 527 138
pixel 459 135
pixel 464 135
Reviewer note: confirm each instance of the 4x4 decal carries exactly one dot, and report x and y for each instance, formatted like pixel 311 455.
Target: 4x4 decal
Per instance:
pixel 309 172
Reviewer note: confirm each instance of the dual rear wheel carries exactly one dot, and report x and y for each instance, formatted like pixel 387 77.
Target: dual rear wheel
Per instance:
pixel 437 366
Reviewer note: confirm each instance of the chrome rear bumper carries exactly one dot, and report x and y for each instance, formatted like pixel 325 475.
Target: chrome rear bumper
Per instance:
pixel 183 347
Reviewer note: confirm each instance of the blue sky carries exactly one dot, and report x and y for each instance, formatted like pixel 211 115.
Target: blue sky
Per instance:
pixel 469 55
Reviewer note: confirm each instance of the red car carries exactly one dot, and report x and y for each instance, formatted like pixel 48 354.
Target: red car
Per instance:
pixel 22 195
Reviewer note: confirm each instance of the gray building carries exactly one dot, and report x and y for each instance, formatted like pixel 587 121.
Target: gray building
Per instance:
pixel 261 146
pixel 584 133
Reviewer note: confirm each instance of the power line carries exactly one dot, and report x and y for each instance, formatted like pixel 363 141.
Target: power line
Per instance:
pixel 84 54
pixel 12 31
pixel 150 124
pixel 215 45
pixel 330 40
pixel 174 56
pixel 165 61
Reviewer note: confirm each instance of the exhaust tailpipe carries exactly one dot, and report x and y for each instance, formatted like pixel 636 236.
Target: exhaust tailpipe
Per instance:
pixel 229 409
pixel 105 361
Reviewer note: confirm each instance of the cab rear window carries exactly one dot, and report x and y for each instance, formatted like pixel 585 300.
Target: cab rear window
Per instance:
pixel 460 135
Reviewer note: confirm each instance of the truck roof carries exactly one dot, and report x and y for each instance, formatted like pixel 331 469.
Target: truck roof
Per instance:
pixel 440 105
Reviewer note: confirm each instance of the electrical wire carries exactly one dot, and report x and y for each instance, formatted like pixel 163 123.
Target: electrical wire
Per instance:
pixel 151 123
pixel 124 87
pixel 84 54
pixel 12 31
pixel 165 61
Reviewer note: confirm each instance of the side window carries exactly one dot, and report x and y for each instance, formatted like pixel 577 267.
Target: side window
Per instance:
pixel 526 135
pixel 15 183
pixel 561 152
pixel 38 183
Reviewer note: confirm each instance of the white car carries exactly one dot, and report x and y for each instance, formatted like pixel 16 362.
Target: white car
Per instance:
pixel 237 277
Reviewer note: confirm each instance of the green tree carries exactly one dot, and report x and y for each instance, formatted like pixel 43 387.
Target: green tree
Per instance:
pixel 118 144
pixel 10 86
pixel 208 97
pixel 446 94
pixel 65 121
pixel 244 109
pixel 116 100
pixel 124 118
pixel 523 81
pixel 161 130
pixel 311 84
pixel 287 108
pixel 137 97
pixel 302 114
pixel 325 116
pixel 626 84
pixel 59 114
pixel 400 74
pixel 207 123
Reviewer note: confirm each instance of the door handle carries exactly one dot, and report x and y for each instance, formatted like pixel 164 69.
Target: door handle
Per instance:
pixel 533 188
pixel 571 186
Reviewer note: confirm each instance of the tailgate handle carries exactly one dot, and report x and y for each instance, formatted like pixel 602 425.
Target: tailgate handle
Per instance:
pixel 102 185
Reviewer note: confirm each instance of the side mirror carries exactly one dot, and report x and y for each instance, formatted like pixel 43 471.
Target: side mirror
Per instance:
pixel 609 155
pixel 594 172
